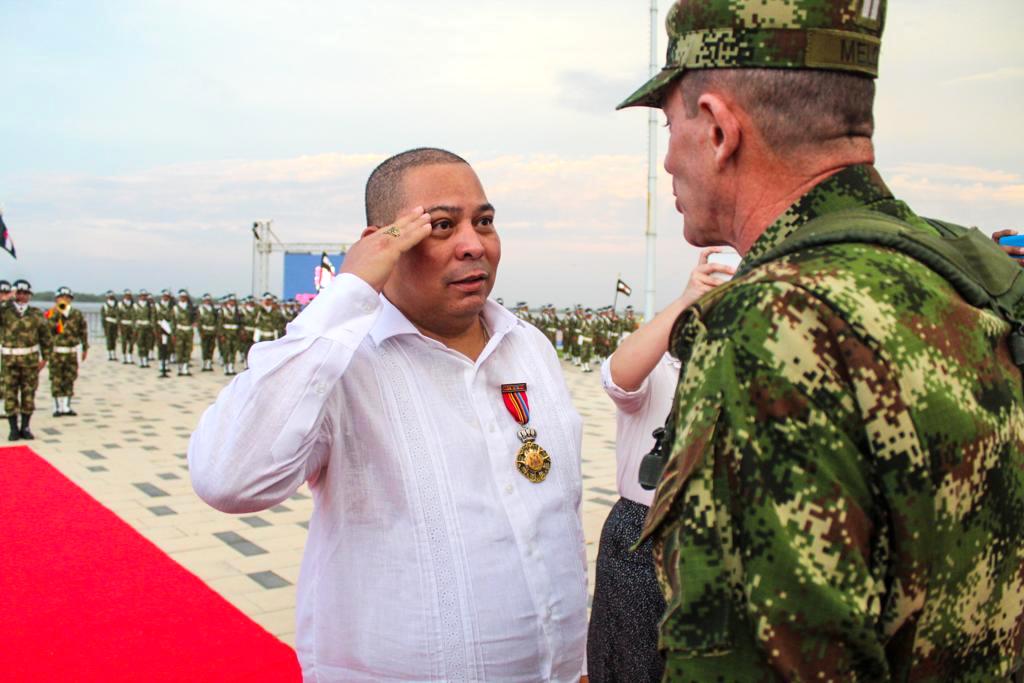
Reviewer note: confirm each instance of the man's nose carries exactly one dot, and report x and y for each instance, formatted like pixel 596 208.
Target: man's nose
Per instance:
pixel 469 245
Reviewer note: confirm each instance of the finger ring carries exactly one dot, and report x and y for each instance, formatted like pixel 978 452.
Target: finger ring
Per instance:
pixel 393 231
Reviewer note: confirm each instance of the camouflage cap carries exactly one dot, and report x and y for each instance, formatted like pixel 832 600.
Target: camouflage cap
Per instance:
pixel 5 286
pixel 65 291
pixel 22 286
pixel 833 35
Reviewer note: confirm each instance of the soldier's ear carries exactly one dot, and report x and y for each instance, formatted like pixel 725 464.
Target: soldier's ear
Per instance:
pixel 370 229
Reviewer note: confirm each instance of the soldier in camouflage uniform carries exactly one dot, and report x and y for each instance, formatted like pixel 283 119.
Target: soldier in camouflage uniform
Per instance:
pixel 126 327
pixel 183 324
pixel 110 316
pixel 69 331
pixel 163 330
pixel 229 328
pixel 248 332
pixel 270 322
pixel 144 317
pixel 26 347
pixel 585 339
pixel 207 320
pixel 845 483
pixel 6 297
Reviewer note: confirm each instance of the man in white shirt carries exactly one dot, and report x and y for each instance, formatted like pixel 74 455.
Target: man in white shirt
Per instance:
pixel 445 545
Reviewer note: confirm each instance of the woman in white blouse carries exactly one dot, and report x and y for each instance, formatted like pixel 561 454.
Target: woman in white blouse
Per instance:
pixel 640 377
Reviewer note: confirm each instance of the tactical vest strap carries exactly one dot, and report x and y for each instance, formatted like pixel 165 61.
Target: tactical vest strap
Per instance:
pixel 965 257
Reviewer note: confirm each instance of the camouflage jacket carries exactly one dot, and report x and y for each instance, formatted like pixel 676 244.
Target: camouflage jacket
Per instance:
pixel 845 488
pixel 181 320
pixel 124 312
pixel 68 329
pixel 110 313
pixel 163 320
pixel 26 330
pixel 229 316
pixel 143 315
pixel 207 318
pixel 270 322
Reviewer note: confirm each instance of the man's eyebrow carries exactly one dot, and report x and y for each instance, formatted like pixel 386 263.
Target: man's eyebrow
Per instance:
pixel 455 209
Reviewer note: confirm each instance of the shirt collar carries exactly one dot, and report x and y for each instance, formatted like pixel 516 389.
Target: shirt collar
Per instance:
pixel 854 186
pixel 392 322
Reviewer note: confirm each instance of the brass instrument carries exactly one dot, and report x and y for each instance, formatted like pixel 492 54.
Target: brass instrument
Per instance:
pixel 63 307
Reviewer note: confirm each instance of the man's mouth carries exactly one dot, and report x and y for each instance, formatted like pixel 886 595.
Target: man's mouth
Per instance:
pixel 471 282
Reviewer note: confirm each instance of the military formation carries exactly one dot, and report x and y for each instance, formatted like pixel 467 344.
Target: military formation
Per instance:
pixel 581 335
pixel 165 330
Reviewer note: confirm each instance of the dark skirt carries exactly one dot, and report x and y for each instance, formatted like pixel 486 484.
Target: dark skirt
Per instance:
pixel 622 642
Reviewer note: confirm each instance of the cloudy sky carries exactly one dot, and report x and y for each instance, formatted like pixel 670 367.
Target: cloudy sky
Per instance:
pixel 140 139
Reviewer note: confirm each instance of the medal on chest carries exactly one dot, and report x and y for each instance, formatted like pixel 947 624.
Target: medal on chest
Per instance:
pixel 532 461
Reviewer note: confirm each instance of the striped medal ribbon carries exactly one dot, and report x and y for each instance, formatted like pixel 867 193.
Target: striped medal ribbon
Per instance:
pixel 532 461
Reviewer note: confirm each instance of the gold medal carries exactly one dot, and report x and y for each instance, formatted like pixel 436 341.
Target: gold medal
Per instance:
pixel 532 461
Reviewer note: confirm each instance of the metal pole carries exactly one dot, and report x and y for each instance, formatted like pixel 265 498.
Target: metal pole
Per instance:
pixel 652 175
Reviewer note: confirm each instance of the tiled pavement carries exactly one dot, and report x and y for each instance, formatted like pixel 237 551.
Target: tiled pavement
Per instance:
pixel 127 449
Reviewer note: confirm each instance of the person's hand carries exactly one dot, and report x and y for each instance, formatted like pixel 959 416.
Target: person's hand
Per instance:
pixel 42 364
pixel 1010 251
pixel 375 255
pixel 702 279
pixel 85 354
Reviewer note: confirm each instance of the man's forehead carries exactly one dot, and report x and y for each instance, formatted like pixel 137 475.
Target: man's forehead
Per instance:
pixel 453 186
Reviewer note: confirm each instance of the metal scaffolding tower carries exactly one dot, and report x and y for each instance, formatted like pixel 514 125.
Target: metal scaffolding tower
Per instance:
pixel 265 242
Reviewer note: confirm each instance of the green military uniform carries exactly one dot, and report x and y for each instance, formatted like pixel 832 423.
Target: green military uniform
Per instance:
pixel 126 327
pixel 144 319
pixel 6 292
pixel 845 485
pixel 110 316
pixel 585 340
pixel 163 329
pixel 68 330
pixel 229 329
pixel 270 321
pixel 207 320
pixel 26 342
pixel 182 321
pixel 248 332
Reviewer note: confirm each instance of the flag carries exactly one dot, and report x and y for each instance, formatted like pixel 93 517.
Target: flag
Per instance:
pixel 5 239
pixel 323 274
pixel 254 230
pixel 621 286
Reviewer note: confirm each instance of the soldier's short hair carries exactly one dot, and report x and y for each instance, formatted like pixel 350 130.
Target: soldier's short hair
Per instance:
pixel 791 107
pixel 383 187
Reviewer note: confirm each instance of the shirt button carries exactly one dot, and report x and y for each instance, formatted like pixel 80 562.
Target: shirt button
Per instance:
pixel 490 427
pixel 320 388
pixel 508 488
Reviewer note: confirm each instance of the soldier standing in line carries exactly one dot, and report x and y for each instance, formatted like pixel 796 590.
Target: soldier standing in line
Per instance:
pixel 68 330
pixel 207 319
pixel 144 319
pixel 229 330
pixel 6 297
pixel 126 327
pixel 110 316
pixel 585 339
pixel 163 330
pixel 26 347
pixel 249 313
pixel 270 322
pixel 183 325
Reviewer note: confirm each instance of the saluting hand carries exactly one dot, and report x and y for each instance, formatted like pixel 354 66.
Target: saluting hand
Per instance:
pixel 375 255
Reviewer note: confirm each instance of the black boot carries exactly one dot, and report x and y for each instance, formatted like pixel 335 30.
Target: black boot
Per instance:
pixel 15 432
pixel 56 407
pixel 26 433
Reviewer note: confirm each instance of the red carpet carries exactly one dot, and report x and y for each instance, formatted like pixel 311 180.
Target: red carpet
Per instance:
pixel 84 597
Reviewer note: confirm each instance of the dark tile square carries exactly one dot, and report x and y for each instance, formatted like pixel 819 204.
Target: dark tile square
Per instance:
pixel 168 475
pixel 280 508
pixel 130 440
pixel 603 501
pixel 97 468
pixel 51 431
pixel 255 521
pixel 111 445
pixel 607 492
pixel 304 525
pixel 161 510
pixel 269 580
pixel 150 490
pixel 93 455
pixel 299 496
pixel 150 448
pixel 247 548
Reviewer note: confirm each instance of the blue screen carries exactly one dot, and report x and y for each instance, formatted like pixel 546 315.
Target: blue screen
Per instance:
pixel 299 270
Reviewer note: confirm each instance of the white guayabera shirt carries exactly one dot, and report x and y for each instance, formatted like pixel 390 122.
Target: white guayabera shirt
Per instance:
pixel 429 556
